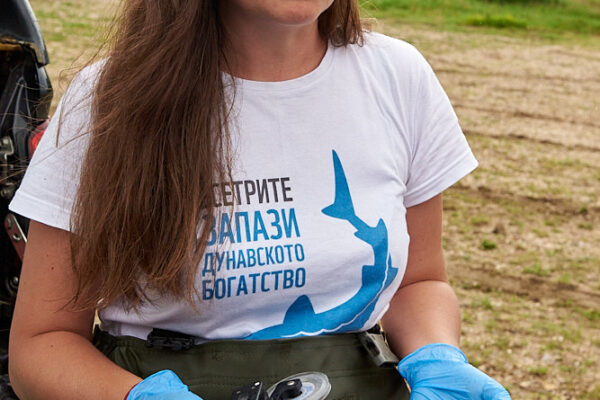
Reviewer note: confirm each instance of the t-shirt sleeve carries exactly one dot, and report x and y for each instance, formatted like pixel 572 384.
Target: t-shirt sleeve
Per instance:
pixel 49 186
pixel 440 154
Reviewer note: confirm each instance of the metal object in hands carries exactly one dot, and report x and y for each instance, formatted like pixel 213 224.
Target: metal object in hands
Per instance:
pixel 313 386
pixel 304 386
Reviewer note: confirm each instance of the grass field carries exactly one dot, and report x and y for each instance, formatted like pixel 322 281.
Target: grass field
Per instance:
pixel 522 233
pixel 553 19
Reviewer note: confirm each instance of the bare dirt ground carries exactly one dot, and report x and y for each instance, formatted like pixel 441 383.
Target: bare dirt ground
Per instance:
pixel 522 233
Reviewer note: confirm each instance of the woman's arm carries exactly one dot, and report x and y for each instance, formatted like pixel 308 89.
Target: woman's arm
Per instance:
pixel 424 310
pixel 51 356
pixel 423 321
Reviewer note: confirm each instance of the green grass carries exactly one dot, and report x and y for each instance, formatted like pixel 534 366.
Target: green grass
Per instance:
pixel 480 220
pixel 536 269
pixel 593 394
pixel 64 21
pixel 488 244
pixel 482 302
pixel 496 21
pixel 592 315
pixel 538 370
pixel 549 18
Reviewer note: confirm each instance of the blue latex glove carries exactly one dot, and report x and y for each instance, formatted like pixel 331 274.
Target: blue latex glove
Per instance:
pixel 441 372
pixel 163 385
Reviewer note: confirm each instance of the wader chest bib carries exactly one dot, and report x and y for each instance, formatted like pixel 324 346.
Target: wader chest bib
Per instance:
pixel 214 369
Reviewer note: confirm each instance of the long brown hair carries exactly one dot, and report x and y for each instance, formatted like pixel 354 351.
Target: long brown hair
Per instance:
pixel 159 141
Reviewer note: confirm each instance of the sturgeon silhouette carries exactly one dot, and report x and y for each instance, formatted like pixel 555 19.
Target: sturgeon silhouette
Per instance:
pixel 300 318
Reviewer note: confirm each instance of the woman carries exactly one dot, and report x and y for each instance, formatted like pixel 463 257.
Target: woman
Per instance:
pixel 246 170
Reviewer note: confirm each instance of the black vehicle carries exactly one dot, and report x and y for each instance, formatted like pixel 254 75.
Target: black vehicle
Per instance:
pixel 25 97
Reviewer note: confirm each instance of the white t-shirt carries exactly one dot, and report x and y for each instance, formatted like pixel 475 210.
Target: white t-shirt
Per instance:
pixel 326 165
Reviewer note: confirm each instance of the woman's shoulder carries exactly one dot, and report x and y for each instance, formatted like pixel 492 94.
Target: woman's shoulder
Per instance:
pixel 386 48
pixel 84 81
pixel 75 104
pixel 389 56
pixel 388 63
pixel 384 43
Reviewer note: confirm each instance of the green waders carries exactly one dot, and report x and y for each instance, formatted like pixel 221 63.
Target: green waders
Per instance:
pixel 214 369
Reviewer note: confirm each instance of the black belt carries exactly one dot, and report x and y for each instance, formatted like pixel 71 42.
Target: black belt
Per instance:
pixel 373 340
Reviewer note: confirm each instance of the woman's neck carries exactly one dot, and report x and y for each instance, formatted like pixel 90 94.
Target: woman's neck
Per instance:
pixel 271 52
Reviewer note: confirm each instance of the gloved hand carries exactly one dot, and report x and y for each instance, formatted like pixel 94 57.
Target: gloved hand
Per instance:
pixel 163 385
pixel 441 372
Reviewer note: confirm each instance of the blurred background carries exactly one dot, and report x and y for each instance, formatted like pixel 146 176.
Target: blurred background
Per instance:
pixel 522 233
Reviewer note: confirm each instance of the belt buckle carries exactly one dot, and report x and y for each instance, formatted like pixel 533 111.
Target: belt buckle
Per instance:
pixel 378 349
pixel 164 339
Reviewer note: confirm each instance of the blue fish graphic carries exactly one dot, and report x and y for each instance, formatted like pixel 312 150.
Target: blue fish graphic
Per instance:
pixel 300 318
